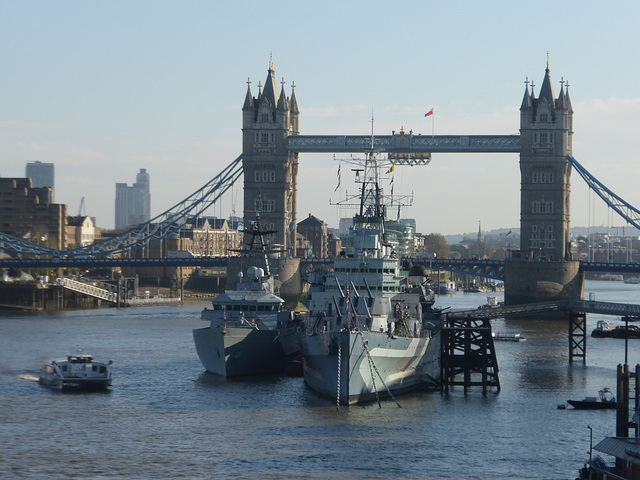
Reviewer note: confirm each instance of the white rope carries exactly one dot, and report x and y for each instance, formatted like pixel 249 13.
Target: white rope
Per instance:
pixel 339 368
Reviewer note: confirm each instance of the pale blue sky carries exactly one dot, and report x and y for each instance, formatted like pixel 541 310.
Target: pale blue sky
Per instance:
pixel 103 89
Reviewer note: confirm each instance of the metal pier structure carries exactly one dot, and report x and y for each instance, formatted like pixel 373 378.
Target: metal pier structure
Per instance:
pixel 468 355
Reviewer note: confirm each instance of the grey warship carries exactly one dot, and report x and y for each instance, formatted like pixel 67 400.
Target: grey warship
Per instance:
pixel 370 333
pixel 250 332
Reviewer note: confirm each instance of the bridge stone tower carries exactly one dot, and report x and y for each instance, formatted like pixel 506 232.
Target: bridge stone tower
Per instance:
pixel 270 171
pixel 546 131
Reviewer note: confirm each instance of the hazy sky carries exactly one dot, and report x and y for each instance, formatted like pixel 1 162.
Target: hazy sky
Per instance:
pixel 102 89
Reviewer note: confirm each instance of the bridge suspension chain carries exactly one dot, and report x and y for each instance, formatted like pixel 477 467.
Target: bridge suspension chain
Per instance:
pixel 620 206
pixel 143 234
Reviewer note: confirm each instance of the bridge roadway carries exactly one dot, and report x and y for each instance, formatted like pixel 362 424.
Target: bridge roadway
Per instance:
pixel 493 269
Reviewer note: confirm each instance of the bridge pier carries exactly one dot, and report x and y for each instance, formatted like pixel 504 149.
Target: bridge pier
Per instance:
pixel 532 282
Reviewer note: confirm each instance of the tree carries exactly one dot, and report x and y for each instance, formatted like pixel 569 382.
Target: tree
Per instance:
pixel 436 243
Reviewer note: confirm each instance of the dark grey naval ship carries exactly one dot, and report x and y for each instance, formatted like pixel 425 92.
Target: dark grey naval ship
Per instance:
pixel 250 332
pixel 370 332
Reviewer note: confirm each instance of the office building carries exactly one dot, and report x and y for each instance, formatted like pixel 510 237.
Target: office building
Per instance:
pixel 133 203
pixel 41 174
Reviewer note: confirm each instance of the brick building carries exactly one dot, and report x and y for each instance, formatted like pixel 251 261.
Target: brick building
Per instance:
pixel 29 213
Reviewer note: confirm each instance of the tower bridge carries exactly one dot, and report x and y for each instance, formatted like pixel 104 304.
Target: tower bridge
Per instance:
pixel 268 164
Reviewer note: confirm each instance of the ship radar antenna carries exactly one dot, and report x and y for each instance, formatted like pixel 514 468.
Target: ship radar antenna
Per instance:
pixel 372 129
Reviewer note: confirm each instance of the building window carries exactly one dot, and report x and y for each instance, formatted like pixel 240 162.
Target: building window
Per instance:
pixel 265 138
pixel 550 177
pixel 549 228
pixel 544 117
pixel 264 117
pixel 543 177
pixel 534 228
pixel 534 177
pixel 265 176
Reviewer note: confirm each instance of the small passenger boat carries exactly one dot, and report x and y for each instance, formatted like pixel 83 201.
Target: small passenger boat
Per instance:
pixel 602 330
pixel 605 400
pixel 77 371
pixel 626 331
pixel 507 337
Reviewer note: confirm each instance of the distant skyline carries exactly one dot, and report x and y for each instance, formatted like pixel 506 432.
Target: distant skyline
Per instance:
pixel 102 89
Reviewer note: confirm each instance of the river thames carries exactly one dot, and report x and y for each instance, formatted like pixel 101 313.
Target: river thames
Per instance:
pixel 164 417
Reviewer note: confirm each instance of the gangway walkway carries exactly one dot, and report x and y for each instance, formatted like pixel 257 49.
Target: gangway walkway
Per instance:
pixel 88 289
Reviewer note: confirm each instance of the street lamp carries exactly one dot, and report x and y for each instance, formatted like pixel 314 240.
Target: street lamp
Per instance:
pixel 590 442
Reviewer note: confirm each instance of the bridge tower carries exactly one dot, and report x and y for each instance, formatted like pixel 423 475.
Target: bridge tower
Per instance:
pixel 546 132
pixel 270 171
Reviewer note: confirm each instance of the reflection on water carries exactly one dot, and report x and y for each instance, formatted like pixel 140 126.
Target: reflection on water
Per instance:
pixel 166 417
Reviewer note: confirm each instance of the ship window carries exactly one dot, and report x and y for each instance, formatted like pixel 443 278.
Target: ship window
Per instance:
pixel 236 308
pixel 103 369
pixel 64 368
pixel 94 368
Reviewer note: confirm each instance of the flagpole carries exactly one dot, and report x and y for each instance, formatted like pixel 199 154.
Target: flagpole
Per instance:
pixel 432 115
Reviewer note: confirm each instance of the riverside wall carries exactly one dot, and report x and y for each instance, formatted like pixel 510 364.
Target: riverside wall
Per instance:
pixel 35 297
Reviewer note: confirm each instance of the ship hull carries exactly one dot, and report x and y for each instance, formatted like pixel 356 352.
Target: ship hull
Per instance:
pixel 238 351
pixel 403 363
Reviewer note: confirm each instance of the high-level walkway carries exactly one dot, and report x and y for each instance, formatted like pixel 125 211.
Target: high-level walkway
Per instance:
pixel 405 143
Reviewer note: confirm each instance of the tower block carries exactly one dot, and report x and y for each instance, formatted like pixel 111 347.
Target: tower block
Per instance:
pixel 544 270
pixel 270 171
